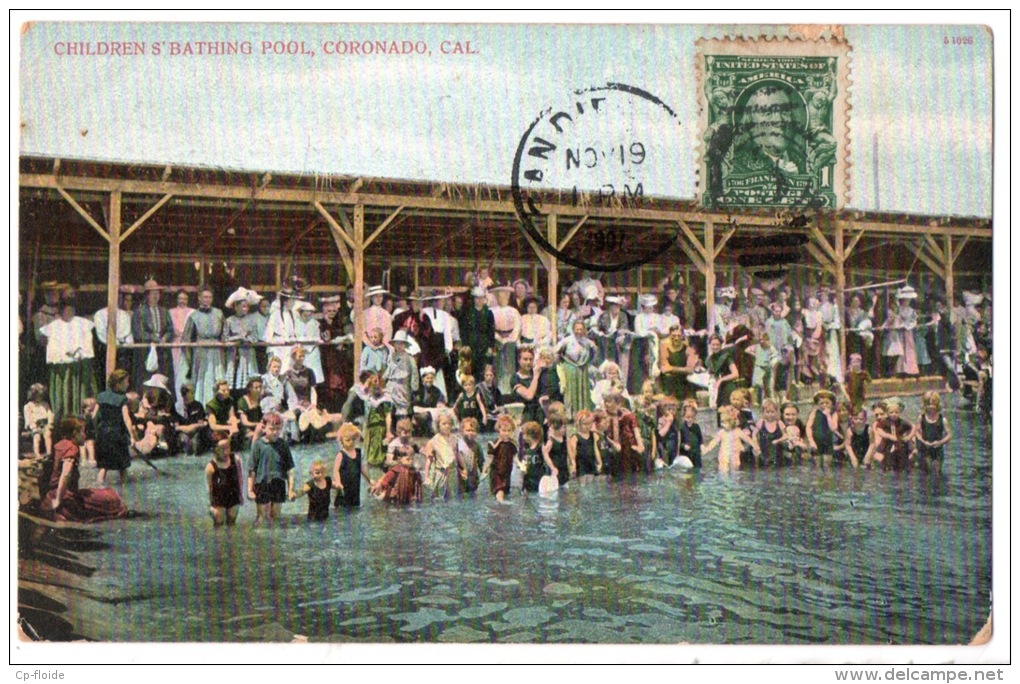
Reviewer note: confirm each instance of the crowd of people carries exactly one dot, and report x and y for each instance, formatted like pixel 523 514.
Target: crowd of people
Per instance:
pixel 592 388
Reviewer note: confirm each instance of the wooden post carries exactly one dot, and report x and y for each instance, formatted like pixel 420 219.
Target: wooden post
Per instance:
pixel 710 275
pixel 534 280
pixel 113 283
pixel 949 271
pixel 279 273
pixel 840 288
pixel 416 275
pixel 553 272
pixel 201 271
pixel 359 284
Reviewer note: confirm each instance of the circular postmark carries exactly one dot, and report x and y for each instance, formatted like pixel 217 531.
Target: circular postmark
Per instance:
pixel 602 148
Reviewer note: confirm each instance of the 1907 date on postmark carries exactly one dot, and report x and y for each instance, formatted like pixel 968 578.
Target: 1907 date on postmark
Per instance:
pixel 774 117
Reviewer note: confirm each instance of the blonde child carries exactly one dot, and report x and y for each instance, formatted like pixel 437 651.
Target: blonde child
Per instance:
pixel 223 481
pixel 878 446
pixel 349 468
pixel 501 458
pixel 317 489
pixel 730 439
pixel 39 420
pixel 931 433
pixel 401 484
pixel 441 459
pixel 531 462
pixel 858 439
pixel 770 434
pixel 583 448
pixel 469 456
pixel 740 399
pixel 896 435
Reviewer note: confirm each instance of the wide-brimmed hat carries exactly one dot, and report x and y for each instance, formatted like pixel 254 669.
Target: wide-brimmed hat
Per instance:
pixel 502 288
pixel 400 336
pixel 614 299
pixel 49 285
pixel 726 293
pixel 648 300
pixel 376 290
pixel 304 306
pixel 427 370
pixel 523 282
pixel 239 295
pixel 159 381
pixel 479 291
pixel 434 295
pixel 151 285
pixel 823 394
pixel 906 292
pixel 332 299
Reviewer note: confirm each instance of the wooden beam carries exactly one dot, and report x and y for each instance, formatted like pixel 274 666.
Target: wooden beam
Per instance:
pixel 87 216
pixel 166 172
pixel 709 271
pixel 56 166
pixel 345 253
pixel 571 233
pixel 356 185
pixel 820 257
pixel 959 247
pixel 823 243
pixel 936 250
pixel 359 284
pixel 693 256
pixel 292 245
pixel 552 271
pixel 950 263
pixel 918 249
pixel 702 251
pixel 848 250
pixel 382 226
pixel 113 283
pixel 145 217
pixel 840 296
pixel 540 252
pixel 722 241
pixel 334 225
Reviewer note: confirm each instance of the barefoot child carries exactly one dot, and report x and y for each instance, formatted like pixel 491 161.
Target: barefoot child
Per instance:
pixel 441 459
pixel 89 408
pixel 583 448
pixel 931 433
pixel 317 489
pixel 349 468
pixel 531 462
pixel 271 475
pixel 731 440
pixel 223 481
pixel 501 458
pixel 39 420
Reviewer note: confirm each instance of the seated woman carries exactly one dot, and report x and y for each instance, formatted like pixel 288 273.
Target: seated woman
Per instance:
pixel 249 409
pixel 311 422
pixel 193 434
pixel 63 500
pixel 428 398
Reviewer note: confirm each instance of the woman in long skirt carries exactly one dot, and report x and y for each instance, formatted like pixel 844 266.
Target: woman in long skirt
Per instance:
pixel 179 317
pixel 577 352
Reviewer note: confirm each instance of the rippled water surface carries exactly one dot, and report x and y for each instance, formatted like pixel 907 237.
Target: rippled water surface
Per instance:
pixel 799 555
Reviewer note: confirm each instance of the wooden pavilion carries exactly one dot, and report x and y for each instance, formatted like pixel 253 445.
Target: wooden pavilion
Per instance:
pixel 341 232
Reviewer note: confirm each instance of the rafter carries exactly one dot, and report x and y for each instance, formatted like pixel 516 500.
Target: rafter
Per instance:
pixel 145 217
pixel 382 226
pixel 87 216
pixel 722 241
pixel 695 242
pixel 340 233
pixel 571 233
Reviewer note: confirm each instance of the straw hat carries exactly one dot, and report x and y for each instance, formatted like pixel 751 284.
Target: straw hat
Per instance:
pixel 613 299
pixel 159 381
pixel 502 288
pixel 376 290
pixel 649 300
pixel 304 306
pixel 479 291
pixel 151 285
pixel 823 394
pixel 334 299
pixel 239 295
pixel 906 292
pixel 400 336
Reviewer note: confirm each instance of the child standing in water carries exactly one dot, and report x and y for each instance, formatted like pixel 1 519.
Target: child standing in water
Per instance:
pixel 89 406
pixel 740 399
pixel 317 489
pixel 793 446
pixel 667 432
pixel 896 436
pixel 401 484
pixel 223 481
pixel 583 448
pixel 531 461
pixel 691 439
pixel 931 434
pixel 441 460
pixel 501 458
pixel 770 434
pixel 271 475
pixel 607 446
pixel 349 468
pixel 555 451
pixel 822 426
pixel 469 456
pixel 878 445
pixel 731 440
pixel 858 439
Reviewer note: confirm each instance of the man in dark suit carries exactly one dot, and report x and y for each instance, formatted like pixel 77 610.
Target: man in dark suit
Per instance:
pixel 478 331
pixel 150 322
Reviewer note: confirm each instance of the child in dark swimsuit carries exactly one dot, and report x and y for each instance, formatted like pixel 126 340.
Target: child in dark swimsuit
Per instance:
pixel 931 434
pixel 530 461
pixel 317 490
pixel 501 458
pixel 858 447
pixel 223 480
pixel 691 439
pixel 555 451
pixel 583 450
pixel 770 434
pixel 822 426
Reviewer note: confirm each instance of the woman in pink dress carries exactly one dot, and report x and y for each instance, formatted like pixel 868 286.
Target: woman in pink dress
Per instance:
pixel 179 316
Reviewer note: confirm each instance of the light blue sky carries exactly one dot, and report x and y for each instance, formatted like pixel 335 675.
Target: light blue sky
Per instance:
pixel 459 118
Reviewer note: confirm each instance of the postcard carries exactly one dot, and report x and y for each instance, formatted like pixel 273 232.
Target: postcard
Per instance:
pixel 671 335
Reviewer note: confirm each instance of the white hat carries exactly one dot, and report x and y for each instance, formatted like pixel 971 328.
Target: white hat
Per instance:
pixel 649 300
pixel 400 336
pixel 906 292
pixel 502 288
pixel 478 291
pixel 239 295
pixel 304 306
pixel 376 290
pixel 726 293
pixel 613 299
pixel 159 381
pixel 972 298
pixel 428 370
pixel 253 297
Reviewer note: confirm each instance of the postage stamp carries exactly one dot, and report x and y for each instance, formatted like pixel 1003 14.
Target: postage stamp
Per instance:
pixel 774 122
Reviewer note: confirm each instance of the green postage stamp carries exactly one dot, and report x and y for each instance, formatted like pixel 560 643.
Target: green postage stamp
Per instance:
pixel 774 122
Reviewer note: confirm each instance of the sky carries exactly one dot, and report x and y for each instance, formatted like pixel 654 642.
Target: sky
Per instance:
pixel 922 93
